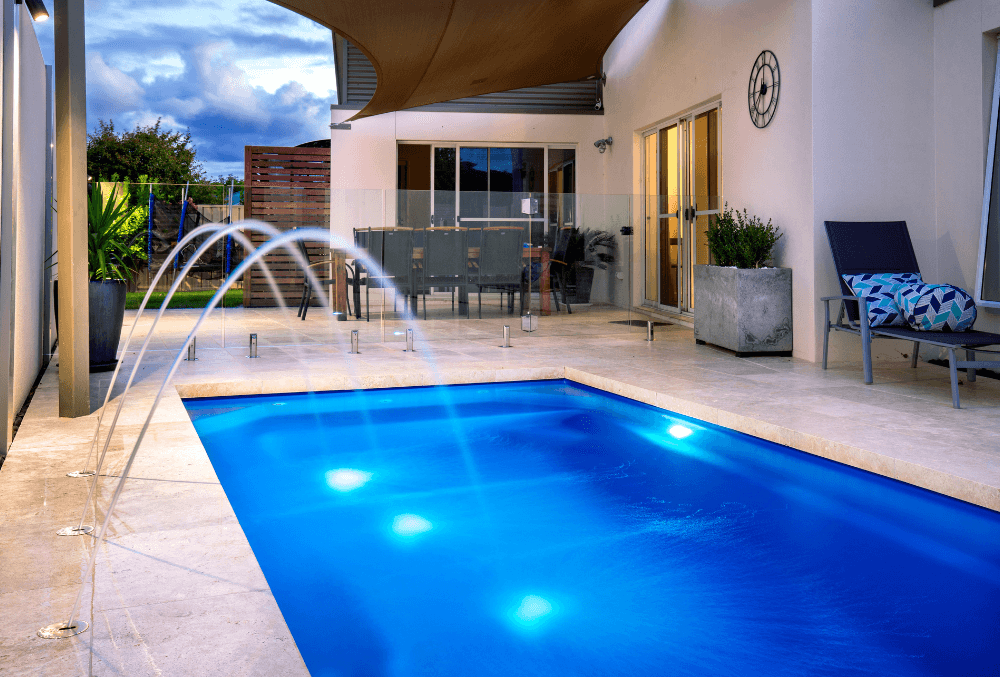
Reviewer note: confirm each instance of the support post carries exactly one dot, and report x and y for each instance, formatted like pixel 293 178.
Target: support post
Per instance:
pixel 71 188
pixel 8 213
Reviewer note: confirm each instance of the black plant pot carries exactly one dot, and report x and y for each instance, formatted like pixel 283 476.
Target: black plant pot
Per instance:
pixel 584 281
pixel 107 312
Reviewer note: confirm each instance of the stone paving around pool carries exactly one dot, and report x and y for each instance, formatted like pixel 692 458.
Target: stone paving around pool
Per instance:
pixel 177 590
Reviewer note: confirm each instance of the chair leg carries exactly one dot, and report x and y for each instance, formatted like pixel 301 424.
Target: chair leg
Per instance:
pixel 305 304
pixel 953 371
pixel 826 333
pixel 916 352
pixel 480 303
pixel 357 296
pixel 866 350
pixel 302 299
pixel 562 283
pixel 970 372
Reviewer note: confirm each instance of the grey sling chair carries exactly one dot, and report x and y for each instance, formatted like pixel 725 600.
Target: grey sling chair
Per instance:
pixel 501 256
pixel 884 247
pixel 318 266
pixel 446 261
pixel 392 250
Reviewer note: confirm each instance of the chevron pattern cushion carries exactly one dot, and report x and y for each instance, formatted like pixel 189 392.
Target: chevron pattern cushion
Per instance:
pixel 936 307
pixel 880 289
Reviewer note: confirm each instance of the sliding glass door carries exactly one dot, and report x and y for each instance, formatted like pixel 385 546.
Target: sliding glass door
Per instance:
pixel 681 191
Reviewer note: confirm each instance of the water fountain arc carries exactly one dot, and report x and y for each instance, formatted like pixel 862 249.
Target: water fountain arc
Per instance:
pixel 218 233
pixel 197 232
pixel 285 240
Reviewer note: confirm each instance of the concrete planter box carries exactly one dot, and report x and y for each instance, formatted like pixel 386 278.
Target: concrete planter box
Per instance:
pixel 748 311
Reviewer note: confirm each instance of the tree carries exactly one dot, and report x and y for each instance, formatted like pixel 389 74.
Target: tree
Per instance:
pixel 162 154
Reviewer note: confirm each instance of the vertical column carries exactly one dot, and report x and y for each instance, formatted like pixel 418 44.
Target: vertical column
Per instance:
pixel 247 214
pixel 8 215
pixel 49 245
pixel 71 185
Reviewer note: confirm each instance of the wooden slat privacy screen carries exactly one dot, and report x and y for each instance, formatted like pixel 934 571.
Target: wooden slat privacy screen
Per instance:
pixel 288 188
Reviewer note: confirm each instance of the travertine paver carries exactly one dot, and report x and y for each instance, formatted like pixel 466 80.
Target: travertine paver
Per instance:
pixel 177 589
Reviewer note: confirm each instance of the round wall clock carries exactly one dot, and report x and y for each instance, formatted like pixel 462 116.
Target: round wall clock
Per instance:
pixel 762 94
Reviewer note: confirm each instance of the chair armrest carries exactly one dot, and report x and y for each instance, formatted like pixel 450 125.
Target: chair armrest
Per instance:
pixel 827 299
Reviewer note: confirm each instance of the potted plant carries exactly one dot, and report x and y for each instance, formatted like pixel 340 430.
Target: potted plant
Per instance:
pixel 594 249
pixel 112 261
pixel 739 302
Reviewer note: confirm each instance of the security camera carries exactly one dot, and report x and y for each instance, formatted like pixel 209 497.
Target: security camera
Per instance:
pixel 602 144
pixel 598 105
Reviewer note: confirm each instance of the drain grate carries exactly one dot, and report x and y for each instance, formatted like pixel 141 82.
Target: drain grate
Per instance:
pixel 639 323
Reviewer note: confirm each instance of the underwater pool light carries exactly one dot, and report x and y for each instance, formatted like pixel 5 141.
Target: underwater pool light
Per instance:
pixel 410 525
pixel 679 431
pixel 347 479
pixel 532 608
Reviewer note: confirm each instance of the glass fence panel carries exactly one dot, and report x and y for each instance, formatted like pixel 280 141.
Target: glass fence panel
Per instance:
pixel 568 263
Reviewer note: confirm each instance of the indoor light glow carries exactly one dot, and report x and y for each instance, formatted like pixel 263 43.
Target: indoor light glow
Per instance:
pixel 410 525
pixel 679 431
pixel 347 479
pixel 532 608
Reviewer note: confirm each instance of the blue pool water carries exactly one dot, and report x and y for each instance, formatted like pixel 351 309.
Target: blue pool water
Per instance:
pixel 551 529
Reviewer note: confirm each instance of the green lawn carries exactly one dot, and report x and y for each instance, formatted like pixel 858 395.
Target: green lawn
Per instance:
pixel 184 299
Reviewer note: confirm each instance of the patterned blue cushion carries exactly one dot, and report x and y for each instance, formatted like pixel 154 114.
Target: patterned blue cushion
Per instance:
pixel 936 307
pixel 881 289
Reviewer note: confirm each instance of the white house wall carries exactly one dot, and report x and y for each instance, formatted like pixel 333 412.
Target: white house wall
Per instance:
pixel 364 157
pixel 363 167
pixel 30 235
pixel 677 54
pixel 883 115
pixel 873 121
pixel 965 49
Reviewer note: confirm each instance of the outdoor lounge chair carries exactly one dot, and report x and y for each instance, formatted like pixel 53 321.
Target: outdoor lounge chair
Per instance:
pixel 885 247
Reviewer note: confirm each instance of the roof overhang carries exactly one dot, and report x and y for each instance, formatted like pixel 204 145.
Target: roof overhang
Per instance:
pixel 430 51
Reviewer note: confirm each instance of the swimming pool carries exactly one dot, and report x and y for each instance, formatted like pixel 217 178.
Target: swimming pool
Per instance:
pixel 548 528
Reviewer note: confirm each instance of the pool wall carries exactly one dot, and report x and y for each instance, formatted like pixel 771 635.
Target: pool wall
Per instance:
pixel 642 388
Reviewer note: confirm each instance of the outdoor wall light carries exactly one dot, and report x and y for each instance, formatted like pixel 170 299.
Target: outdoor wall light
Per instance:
pixel 602 144
pixel 36 8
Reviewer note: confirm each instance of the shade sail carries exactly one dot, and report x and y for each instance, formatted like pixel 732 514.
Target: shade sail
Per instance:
pixel 430 51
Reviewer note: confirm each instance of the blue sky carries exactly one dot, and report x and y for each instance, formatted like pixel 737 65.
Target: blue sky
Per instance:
pixel 236 72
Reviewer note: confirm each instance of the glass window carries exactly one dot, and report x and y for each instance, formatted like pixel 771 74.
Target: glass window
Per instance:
pixel 515 173
pixel 562 190
pixel 474 182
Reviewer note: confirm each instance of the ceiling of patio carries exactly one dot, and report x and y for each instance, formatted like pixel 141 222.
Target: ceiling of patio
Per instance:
pixel 429 51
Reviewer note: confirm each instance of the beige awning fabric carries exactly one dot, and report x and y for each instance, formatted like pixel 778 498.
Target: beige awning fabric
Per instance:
pixel 429 51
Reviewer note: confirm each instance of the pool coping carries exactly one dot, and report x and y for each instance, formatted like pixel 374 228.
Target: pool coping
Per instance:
pixel 885 464
pixel 180 567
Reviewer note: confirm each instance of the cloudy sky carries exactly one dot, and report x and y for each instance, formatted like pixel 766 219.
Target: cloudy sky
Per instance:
pixel 236 72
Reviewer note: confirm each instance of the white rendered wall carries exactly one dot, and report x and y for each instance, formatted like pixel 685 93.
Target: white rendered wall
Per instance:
pixel 363 158
pixel 873 118
pixel 964 60
pixel 677 54
pixel 30 235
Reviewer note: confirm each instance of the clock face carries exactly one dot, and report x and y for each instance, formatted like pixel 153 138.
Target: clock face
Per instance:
pixel 762 95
